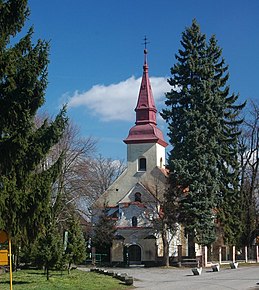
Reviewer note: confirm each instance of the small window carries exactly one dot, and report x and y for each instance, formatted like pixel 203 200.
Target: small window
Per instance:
pixel 134 221
pixel 142 164
pixel 138 196
pixel 114 215
pixel 161 162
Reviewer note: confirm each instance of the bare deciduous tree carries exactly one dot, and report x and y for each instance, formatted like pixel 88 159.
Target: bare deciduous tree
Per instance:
pixel 164 214
pixel 84 176
pixel 100 174
pixel 74 181
pixel 104 171
pixel 249 175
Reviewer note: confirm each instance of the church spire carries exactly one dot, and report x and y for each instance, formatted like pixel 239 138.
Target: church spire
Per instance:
pixel 145 109
pixel 145 130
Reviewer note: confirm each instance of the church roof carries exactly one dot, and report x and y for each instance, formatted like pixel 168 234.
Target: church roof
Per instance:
pixel 116 192
pixel 145 130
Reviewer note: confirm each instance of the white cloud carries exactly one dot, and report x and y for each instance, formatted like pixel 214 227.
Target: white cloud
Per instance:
pixel 117 101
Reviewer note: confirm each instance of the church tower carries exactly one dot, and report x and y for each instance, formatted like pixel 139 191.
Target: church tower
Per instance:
pixel 145 141
pixel 132 200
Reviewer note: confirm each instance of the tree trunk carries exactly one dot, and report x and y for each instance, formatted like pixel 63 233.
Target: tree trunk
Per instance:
pixel 16 258
pixel 47 271
pixel 165 246
pixel 69 268
pixel 191 246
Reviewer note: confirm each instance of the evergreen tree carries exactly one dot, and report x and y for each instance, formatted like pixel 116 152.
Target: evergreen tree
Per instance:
pixel 26 178
pixel 49 249
pixel 103 235
pixel 76 244
pixel 229 205
pixel 198 130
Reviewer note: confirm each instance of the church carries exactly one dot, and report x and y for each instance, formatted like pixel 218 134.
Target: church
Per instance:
pixel 133 199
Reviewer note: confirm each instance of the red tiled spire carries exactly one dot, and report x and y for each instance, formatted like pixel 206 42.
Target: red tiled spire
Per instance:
pixel 145 109
pixel 145 130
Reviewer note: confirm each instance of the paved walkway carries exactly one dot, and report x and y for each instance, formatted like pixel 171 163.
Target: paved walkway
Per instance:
pixel 242 278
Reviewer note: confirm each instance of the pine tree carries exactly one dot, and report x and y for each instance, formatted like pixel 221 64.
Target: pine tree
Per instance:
pixel 25 176
pixel 196 116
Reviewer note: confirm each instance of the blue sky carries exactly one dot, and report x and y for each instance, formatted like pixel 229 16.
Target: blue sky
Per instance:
pixel 96 55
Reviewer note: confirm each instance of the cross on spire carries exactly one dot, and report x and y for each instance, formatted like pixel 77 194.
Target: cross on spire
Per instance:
pixel 145 50
pixel 145 42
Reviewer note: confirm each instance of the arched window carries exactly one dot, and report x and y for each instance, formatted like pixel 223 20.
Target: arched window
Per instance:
pixel 134 221
pixel 161 162
pixel 138 196
pixel 142 166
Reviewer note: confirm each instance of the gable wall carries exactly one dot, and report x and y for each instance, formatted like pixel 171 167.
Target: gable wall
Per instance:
pixel 127 212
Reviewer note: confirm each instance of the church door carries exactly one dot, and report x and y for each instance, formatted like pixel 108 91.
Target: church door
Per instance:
pixel 134 254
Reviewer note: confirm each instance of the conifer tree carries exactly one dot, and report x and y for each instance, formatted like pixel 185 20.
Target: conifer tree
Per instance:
pixel 197 113
pixel 103 235
pixel 76 246
pixel 48 248
pixel 229 208
pixel 25 177
pixel 229 198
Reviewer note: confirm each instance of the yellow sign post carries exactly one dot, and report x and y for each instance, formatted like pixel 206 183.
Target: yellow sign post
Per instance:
pixel 4 257
pixel 5 242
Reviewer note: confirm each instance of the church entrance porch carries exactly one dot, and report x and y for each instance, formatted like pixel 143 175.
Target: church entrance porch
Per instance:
pixel 134 254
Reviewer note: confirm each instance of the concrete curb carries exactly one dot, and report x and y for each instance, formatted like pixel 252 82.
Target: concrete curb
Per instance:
pixel 128 280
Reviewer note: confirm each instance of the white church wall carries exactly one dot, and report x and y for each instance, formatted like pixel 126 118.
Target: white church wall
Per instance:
pixel 151 151
pixel 175 240
pixel 128 212
pixel 149 250
pixel 160 154
pixel 117 250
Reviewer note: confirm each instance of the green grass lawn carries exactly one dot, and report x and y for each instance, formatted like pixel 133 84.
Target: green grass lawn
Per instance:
pixel 78 280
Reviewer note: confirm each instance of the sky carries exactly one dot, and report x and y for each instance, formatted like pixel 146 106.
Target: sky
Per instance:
pixel 96 56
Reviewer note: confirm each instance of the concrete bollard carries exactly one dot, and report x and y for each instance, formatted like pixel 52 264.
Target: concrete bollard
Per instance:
pixel 122 276
pixel 197 271
pixel 129 280
pixel 111 273
pixel 233 265
pixel 215 268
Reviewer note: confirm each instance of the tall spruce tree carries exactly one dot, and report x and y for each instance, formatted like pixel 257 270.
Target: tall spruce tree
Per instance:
pixel 229 204
pixel 197 114
pixel 228 196
pixel 25 178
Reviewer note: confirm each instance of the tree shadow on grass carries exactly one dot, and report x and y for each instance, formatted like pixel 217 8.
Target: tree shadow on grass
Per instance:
pixel 51 274
pixel 36 273
pixel 15 282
